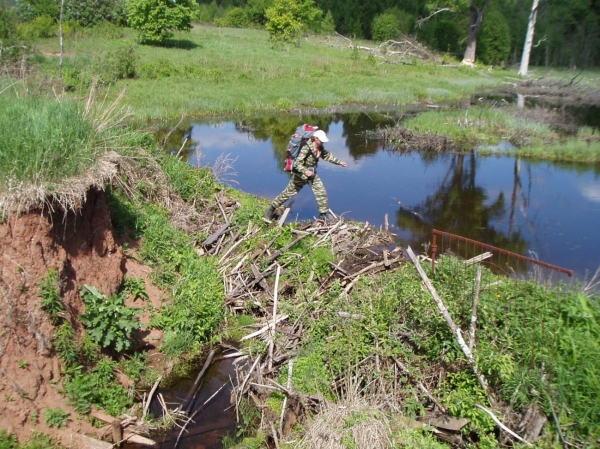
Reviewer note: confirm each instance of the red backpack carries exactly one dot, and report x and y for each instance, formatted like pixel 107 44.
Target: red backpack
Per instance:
pixel 297 141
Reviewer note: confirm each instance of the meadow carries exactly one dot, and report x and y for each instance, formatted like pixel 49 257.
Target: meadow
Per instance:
pixel 239 71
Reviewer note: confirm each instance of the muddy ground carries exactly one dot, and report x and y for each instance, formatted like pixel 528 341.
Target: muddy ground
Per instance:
pixel 83 248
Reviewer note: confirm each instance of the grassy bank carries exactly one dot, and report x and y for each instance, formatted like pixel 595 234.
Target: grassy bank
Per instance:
pixel 222 70
pixel 482 127
pixel 535 344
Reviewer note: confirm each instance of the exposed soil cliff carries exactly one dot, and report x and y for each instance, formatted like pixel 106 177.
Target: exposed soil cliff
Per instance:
pixel 82 248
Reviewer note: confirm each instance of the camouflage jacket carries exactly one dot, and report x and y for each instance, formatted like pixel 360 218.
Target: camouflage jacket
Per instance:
pixel 307 158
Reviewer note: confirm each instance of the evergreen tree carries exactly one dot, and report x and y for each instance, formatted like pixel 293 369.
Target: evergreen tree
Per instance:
pixel 493 43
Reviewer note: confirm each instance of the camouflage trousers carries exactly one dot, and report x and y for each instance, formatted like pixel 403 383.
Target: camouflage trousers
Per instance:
pixel 296 184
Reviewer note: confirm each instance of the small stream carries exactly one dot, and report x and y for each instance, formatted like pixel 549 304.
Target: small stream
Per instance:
pixel 213 416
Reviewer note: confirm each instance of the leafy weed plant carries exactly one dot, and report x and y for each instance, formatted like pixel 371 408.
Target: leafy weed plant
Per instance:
pixel 56 417
pixel 49 291
pixel 108 321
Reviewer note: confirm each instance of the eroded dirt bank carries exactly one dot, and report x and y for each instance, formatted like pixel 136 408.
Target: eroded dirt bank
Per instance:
pixel 82 248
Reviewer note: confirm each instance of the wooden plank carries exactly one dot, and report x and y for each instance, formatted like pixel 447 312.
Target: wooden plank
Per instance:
pixel 215 235
pixel 134 438
pixel 79 441
pixel 445 422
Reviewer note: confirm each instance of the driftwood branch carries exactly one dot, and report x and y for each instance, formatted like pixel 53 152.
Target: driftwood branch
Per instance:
pixel 455 329
pixel 149 400
pixel 474 309
pixel 502 426
pixel 289 387
pixel 194 390
pixel 420 22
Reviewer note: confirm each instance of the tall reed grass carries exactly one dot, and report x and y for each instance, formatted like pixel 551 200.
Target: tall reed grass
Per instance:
pixel 48 140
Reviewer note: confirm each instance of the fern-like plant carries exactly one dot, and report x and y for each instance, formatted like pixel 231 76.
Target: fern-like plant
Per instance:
pixel 109 322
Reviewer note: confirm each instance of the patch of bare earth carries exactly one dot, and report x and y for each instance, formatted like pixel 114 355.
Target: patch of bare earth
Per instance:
pixel 82 248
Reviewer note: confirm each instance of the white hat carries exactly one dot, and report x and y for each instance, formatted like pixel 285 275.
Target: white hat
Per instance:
pixel 320 134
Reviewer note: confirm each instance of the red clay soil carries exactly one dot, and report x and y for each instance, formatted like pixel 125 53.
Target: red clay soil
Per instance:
pixel 82 248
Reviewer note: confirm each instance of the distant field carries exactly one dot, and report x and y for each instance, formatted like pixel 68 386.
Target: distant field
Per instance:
pixel 222 70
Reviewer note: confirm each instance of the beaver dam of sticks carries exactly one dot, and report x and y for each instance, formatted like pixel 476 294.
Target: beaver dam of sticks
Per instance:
pixel 266 282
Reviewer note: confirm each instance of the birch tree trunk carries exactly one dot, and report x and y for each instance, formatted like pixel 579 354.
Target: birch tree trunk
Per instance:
pixel 476 17
pixel 60 36
pixel 528 39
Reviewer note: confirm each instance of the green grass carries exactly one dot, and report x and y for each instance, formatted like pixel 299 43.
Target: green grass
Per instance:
pixel 48 140
pixel 223 70
pixel 42 139
pixel 483 126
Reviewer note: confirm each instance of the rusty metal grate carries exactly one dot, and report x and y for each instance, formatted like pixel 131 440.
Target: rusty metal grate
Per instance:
pixel 500 259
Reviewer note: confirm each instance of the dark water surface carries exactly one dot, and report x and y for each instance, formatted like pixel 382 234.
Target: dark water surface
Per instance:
pixel 542 209
pixel 545 209
pixel 211 420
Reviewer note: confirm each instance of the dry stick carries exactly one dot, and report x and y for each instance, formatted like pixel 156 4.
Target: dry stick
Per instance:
pixel 232 247
pixel 189 399
pixel 278 253
pixel 274 436
pixel 474 311
pixel 184 142
pixel 264 329
pixel 195 413
pixel 502 426
pixel 420 385
pixel 455 329
pixel 364 270
pixel 272 344
pixel 154 387
pixel 221 208
pixel 281 220
pixel 328 233
pixel 289 387
pixel 239 395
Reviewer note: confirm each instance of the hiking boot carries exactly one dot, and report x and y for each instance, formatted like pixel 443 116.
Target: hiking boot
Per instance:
pixel 322 217
pixel 269 213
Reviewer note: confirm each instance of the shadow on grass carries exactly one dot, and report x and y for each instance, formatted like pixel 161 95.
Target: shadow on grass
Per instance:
pixel 184 44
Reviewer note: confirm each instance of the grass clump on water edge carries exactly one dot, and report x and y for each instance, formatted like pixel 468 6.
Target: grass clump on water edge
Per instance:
pixel 480 126
pixel 48 140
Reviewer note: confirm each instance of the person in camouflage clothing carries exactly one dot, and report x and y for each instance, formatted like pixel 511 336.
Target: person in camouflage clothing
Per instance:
pixel 304 172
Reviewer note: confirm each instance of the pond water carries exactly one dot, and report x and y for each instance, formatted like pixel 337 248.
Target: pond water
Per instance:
pixel 547 210
pixel 213 416
pixel 543 209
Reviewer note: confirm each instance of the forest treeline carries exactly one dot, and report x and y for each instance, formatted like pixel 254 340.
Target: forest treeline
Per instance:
pixel 567 33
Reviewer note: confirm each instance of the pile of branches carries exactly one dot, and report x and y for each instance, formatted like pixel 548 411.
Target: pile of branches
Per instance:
pixel 404 140
pixel 390 51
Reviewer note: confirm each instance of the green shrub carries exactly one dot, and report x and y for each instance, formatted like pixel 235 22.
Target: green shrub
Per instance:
pixel 72 28
pixel 493 42
pixel 155 20
pixel 108 321
pixel 256 11
pixel 39 27
pixel 56 417
pixel 287 19
pixel 105 30
pixel 205 12
pixel 118 64
pixel 385 26
pixel 98 387
pixel 235 18
pixel 65 344
pixel 90 12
